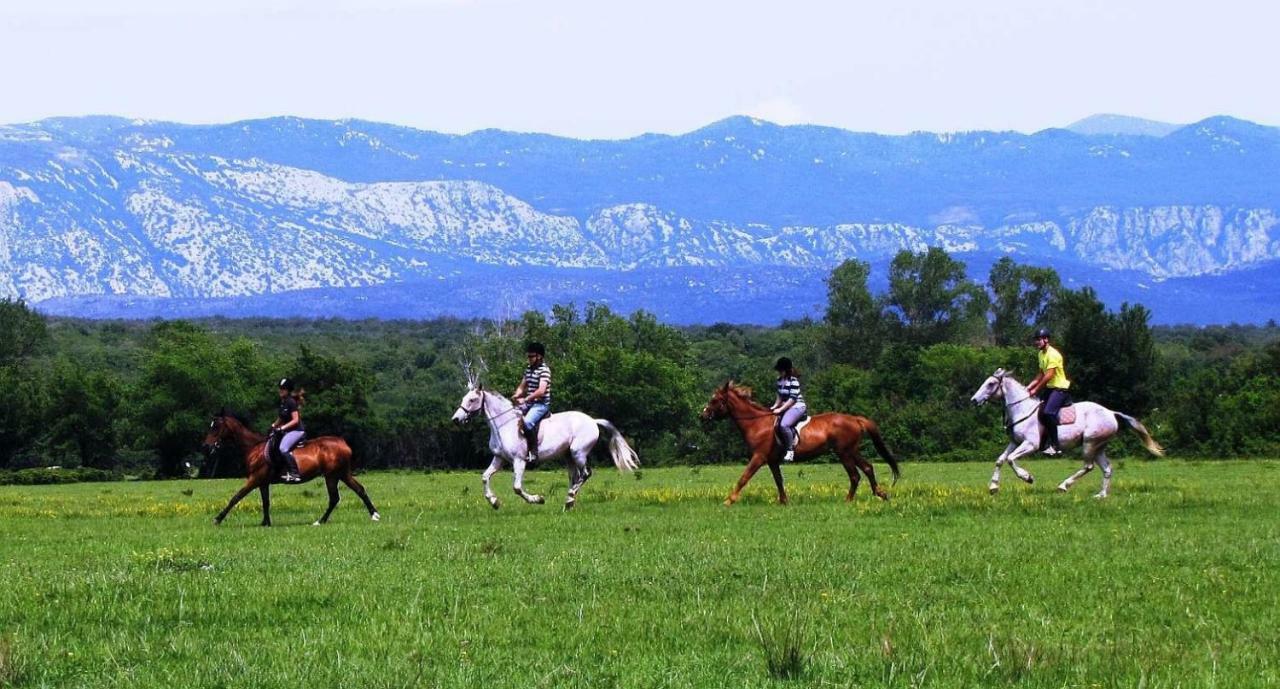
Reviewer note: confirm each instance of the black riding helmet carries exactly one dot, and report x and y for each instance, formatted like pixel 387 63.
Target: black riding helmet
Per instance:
pixel 535 348
pixel 1042 332
pixel 783 365
pixel 286 384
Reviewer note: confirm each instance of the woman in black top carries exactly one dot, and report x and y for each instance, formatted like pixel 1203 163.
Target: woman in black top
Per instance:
pixel 287 431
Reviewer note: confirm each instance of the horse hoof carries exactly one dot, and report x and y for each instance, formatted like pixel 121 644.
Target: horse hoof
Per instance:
pixel 1062 488
pixel 1100 496
pixel 568 505
pixel 538 500
pixel 493 502
pixel 1031 480
pixel 375 517
pixel 316 523
pixel 993 489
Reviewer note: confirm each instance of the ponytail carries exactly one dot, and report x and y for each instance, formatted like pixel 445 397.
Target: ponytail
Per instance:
pixel 299 396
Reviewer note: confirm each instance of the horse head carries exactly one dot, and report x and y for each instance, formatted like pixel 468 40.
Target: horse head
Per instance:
pixel 718 406
pixel 993 386
pixel 471 403
pixel 221 428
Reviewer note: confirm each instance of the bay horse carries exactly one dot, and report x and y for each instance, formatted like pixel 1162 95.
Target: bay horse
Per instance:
pixel 568 432
pixel 1094 427
pixel 327 456
pixel 840 433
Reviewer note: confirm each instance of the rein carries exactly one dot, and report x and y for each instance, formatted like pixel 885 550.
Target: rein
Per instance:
pixel 1008 409
pixel 484 408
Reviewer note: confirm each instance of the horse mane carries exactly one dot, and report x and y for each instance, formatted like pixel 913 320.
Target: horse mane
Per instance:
pixel 244 420
pixel 742 390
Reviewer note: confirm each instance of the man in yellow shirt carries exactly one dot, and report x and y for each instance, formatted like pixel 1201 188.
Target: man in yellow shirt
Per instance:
pixel 1051 386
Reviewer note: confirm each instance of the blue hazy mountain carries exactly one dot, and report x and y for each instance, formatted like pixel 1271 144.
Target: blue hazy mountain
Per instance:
pixel 1121 125
pixel 98 211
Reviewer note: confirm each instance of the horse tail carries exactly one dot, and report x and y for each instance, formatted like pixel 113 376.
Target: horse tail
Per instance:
pixel 623 456
pixel 1141 431
pixel 874 431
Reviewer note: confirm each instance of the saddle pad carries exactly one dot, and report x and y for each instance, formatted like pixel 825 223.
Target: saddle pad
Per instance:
pixel 800 426
pixel 1066 416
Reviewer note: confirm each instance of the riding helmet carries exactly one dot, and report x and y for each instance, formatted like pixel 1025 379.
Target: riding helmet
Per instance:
pixel 1042 332
pixel 535 348
pixel 783 365
pixel 286 384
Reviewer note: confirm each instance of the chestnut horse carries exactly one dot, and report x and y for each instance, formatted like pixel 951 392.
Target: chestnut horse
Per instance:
pixel 327 456
pixel 841 433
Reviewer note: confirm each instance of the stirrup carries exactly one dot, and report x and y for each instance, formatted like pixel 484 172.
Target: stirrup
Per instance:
pixel 1051 451
pixel 290 478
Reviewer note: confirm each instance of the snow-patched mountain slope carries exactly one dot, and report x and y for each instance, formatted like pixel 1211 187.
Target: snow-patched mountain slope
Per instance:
pixel 110 206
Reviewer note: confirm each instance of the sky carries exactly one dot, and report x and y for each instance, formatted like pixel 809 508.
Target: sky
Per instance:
pixel 602 69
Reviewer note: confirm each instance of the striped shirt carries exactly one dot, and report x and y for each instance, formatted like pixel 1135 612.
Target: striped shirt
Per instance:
pixel 789 389
pixel 533 377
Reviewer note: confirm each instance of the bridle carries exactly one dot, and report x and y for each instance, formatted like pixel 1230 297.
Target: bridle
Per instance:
pixel 730 415
pixel 1008 406
pixel 469 414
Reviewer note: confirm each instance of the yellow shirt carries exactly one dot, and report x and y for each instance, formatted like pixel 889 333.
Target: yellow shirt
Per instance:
pixel 1051 358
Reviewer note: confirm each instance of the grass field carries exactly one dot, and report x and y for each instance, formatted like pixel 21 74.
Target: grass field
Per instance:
pixel 1173 582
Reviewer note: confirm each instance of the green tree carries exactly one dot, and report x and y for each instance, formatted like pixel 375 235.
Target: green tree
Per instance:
pixel 1020 298
pixel 855 330
pixel 337 394
pixel 84 408
pixel 23 400
pixel 932 301
pixel 188 376
pixel 1110 357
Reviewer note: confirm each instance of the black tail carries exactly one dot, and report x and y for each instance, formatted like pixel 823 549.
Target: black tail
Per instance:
pixel 874 431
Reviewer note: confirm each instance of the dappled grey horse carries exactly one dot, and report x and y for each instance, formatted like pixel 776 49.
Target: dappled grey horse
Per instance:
pixel 569 432
pixel 1094 427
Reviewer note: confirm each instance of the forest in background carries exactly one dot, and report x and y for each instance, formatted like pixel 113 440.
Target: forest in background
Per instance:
pixel 104 399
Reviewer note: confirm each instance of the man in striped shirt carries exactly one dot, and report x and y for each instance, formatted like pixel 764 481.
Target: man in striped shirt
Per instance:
pixel 533 395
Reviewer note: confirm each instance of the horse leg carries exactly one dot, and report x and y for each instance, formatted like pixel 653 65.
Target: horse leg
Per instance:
pixel 494 467
pixel 1027 447
pixel 578 475
pixel 854 477
pixel 330 482
pixel 517 464
pixel 1090 450
pixel 776 469
pixel 358 489
pixel 753 466
pixel 870 471
pixel 265 491
pixel 1105 464
pixel 994 486
pixel 244 490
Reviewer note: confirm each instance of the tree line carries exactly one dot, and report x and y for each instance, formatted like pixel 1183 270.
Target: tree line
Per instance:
pixel 135 397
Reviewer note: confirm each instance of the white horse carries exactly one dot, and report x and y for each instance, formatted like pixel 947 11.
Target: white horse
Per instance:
pixel 569 432
pixel 1094 427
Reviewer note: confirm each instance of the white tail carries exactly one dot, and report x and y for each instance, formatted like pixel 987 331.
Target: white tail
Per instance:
pixel 623 456
pixel 1136 426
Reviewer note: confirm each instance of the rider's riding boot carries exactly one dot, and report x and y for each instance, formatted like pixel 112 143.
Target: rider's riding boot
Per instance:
pixel 790 454
pixel 1051 438
pixel 291 474
pixel 531 442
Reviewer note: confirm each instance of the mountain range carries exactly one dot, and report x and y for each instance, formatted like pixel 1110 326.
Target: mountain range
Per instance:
pixel 100 215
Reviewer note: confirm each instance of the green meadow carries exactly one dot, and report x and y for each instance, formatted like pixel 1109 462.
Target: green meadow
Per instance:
pixel 651 582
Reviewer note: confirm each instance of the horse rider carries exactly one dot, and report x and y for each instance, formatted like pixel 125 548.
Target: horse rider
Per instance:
pixel 533 396
pixel 287 430
pixel 789 406
pixel 1051 387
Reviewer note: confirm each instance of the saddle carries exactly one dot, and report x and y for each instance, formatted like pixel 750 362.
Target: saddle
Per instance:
pixel 777 429
pixel 1066 413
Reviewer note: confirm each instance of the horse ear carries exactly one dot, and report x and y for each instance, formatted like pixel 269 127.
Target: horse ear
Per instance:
pixel 223 411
